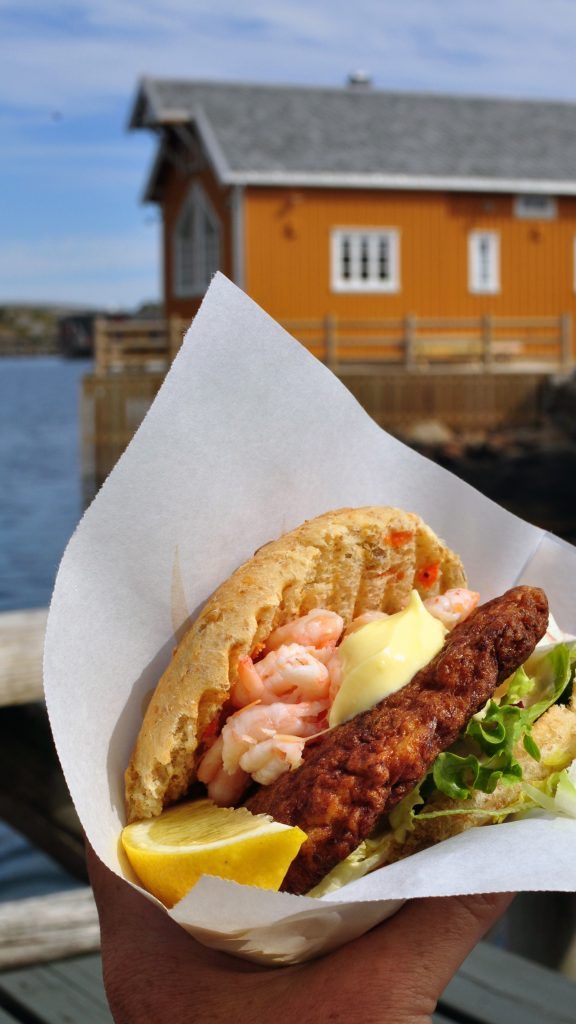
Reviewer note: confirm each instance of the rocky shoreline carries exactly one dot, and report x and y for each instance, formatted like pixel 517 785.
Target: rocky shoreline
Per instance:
pixel 532 473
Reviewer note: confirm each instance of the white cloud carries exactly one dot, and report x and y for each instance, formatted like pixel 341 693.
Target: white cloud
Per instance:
pixel 86 58
pixel 515 47
pixel 103 270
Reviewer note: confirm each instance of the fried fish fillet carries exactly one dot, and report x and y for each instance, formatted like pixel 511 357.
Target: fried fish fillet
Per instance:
pixel 359 771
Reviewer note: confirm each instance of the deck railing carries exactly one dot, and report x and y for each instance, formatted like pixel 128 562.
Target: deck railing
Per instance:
pixel 412 343
pixel 471 373
pixel 136 344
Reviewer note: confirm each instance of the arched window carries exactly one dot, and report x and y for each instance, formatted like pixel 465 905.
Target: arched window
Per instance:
pixel 196 244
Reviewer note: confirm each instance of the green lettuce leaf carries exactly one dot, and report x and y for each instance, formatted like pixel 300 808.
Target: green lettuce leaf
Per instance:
pixel 485 757
pixel 401 818
pixel 557 793
pixel 368 856
pixel 485 754
pixel 554 671
pixel 498 815
pixel 565 795
pixel 520 686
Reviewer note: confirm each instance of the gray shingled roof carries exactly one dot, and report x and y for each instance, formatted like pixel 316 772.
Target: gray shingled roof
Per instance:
pixel 262 133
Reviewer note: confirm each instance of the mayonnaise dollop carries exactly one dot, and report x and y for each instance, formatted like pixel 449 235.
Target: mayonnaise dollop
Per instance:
pixel 383 656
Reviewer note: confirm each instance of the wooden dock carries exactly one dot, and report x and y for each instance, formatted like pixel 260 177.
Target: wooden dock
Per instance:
pixel 491 987
pixel 121 345
pixel 473 374
pixel 495 344
pixel 417 344
pixel 113 407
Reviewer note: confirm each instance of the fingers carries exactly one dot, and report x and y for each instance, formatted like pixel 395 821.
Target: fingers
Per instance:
pixel 399 969
pixel 431 937
pixel 145 955
pixel 125 916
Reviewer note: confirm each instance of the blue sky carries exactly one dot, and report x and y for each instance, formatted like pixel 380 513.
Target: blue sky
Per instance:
pixel 72 228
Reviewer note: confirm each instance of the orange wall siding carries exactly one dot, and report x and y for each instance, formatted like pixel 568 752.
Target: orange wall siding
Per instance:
pixel 287 247
pixel 176 190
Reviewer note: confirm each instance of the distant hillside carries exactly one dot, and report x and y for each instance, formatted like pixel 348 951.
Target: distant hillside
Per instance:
pixel 33 329
pixel 28 329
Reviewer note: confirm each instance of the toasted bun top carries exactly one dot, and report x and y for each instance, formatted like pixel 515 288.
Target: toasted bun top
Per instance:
pixel 348 561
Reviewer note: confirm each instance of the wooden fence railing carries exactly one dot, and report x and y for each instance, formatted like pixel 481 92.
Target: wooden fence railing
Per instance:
pixel 411 343
pixel 470 373
pixel 136 344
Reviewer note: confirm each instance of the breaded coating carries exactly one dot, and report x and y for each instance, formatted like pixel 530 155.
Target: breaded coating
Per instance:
pixel 349 561
pixel 359 771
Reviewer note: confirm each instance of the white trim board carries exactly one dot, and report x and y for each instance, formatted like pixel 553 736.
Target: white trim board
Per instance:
pixel 400 182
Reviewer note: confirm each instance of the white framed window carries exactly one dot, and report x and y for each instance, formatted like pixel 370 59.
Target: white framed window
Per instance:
pixel 484 262
pixel 535 207
pixel 196 244
pixel 365 260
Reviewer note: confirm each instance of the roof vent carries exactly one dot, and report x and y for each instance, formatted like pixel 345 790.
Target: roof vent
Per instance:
pixel 359 80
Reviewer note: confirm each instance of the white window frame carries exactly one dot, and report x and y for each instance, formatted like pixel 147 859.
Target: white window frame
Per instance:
pixel 199 204
pixel 479 282
pixel 523 211
pixel 355 283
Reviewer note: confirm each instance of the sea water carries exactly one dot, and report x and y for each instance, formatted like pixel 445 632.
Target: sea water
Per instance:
pixel 40 504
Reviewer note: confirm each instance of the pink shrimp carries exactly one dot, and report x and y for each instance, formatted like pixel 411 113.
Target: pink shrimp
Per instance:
pixel 363 620
pixel 334 667
pixel 291 673
pixel 224 788
pixel 259 722
pixel 272 757
pixel 319 628
pixel 254 743
pixel 452 607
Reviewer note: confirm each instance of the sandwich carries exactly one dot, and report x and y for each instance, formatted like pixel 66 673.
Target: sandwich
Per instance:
pixel 344 682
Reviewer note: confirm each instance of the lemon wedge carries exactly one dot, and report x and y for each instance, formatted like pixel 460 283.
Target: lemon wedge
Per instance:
pixel 171 852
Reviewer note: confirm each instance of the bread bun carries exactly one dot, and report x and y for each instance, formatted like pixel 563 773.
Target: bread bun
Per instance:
pixel 348 561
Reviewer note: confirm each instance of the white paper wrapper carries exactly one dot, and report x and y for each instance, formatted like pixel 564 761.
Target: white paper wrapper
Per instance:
pixel 249 436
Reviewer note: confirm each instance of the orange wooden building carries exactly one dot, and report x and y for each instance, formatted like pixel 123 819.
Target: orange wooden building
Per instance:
pixel 357 203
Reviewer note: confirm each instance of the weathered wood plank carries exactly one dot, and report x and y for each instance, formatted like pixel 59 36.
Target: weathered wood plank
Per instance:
pixel 21 646
pixel 526 321
pixel 34 799
pixel 492 987
pixel 71 992
pixel 140 344
pixel 46 928
pixel 496 987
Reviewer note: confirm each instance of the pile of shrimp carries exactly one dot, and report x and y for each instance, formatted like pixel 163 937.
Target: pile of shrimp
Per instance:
pixel 283 698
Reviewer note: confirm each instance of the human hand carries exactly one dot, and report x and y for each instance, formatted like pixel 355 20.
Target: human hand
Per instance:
pixel 155 973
